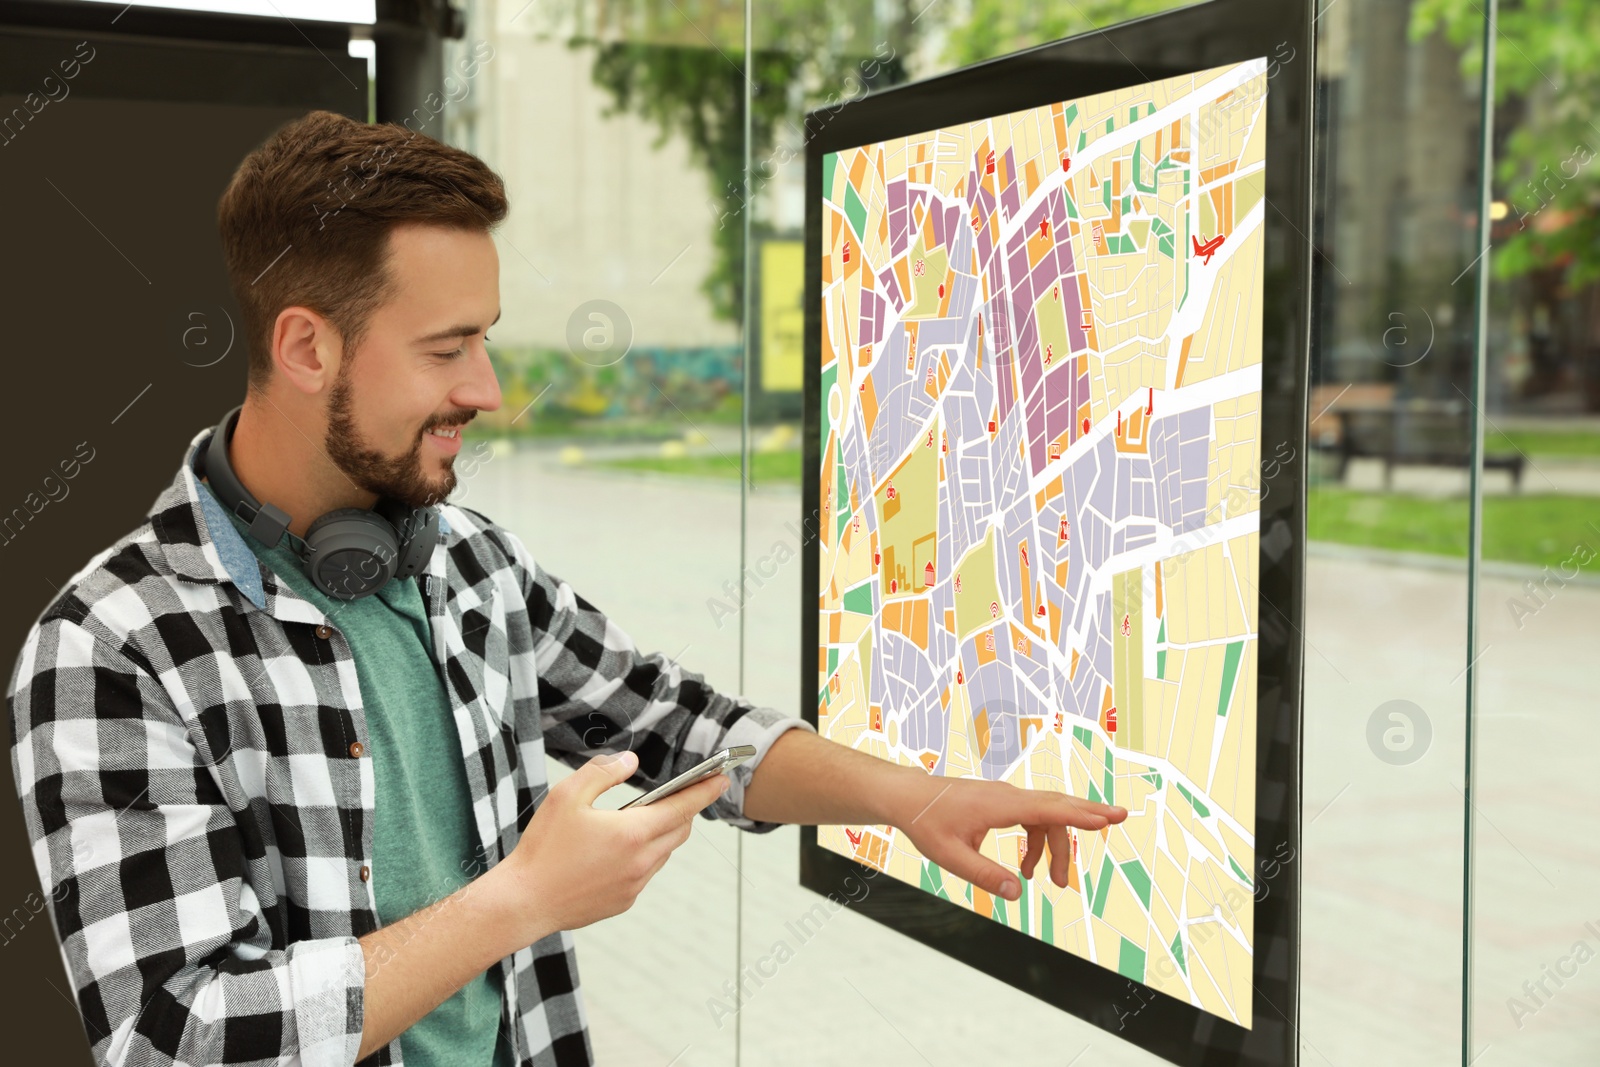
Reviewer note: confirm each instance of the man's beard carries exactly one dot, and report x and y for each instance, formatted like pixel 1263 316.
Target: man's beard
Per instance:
pixel 399 478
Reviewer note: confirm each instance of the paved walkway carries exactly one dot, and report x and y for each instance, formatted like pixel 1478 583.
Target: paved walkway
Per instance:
pixel 1381 859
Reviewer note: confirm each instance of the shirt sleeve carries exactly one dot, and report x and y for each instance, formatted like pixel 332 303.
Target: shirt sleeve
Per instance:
pixel 165 944
pixel 599 693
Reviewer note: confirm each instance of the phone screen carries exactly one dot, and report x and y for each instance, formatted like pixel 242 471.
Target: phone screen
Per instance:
pixel 715 764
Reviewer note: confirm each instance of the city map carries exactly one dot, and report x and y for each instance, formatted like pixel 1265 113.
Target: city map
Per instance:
pixel 1041 383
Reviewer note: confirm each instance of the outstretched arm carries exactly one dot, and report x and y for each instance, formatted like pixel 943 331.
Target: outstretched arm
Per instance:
pixel 600 693
pixel 811 780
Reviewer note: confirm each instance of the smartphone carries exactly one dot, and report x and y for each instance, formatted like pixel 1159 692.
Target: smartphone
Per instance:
pixel 716 764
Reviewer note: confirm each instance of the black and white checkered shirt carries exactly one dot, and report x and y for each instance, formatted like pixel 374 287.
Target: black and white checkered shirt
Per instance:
pixel 184 734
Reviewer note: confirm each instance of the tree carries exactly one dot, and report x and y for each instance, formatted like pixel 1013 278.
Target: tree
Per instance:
pixel 1547 85
pixel 688 79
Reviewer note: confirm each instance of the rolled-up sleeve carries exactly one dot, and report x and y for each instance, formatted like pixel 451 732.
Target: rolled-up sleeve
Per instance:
pixel 144 867
pixel 598 693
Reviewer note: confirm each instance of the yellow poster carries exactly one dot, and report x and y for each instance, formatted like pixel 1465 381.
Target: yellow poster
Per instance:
pixel 782 321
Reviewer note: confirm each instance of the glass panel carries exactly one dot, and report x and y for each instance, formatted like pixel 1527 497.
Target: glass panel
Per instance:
pixel 1391 425
pixel 820 984
pixel 615 453
pixel 1535 994
pixel 1391 435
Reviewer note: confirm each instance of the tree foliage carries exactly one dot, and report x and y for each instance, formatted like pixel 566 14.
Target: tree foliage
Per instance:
pixel 1547 89
pixel 698 96
pixel 690 82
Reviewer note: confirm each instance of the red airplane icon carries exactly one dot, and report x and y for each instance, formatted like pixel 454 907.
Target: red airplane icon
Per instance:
pixel 855 839
pixel 1208 249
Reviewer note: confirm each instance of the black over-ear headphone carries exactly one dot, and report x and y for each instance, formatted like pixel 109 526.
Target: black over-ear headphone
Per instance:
pixel 347 553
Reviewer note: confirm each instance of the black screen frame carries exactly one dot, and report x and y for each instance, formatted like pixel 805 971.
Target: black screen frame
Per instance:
pixel 1174 43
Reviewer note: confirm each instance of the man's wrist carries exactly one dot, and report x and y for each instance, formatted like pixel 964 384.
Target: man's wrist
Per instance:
pixel 805 778
pixel 503 902
pixel 905 794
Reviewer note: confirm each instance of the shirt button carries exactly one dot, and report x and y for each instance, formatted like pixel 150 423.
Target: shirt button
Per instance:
pixel 357 748
pixel 366 872
pixel 324 632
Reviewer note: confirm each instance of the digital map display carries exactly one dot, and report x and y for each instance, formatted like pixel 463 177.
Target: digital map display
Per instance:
pixel 1041 385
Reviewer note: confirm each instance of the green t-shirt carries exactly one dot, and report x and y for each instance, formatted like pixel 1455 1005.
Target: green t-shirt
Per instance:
pixel 423 842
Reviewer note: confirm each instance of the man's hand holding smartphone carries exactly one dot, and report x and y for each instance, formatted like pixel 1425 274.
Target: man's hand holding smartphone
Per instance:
pixel 577 864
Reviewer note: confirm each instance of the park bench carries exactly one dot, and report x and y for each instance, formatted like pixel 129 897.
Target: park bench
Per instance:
pixel 1368 422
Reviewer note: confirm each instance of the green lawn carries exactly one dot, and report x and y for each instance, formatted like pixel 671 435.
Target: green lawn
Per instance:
pixel 782 466
pixel 1522 528
pixel 1543 442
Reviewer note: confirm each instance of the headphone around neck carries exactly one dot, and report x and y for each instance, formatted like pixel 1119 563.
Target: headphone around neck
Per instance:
pixel 347 553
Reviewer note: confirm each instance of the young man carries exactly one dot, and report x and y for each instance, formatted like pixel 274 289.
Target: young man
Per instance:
pixel 291 809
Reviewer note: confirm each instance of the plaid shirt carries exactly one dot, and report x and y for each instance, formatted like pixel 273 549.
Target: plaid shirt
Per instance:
pixel 184 735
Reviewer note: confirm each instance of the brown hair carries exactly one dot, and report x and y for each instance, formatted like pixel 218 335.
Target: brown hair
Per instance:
pixel 306 220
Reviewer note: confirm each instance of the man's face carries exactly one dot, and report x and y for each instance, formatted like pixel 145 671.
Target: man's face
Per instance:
pixel 421 366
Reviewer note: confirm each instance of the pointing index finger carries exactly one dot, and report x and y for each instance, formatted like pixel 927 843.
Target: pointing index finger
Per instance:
pixel 1059 809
